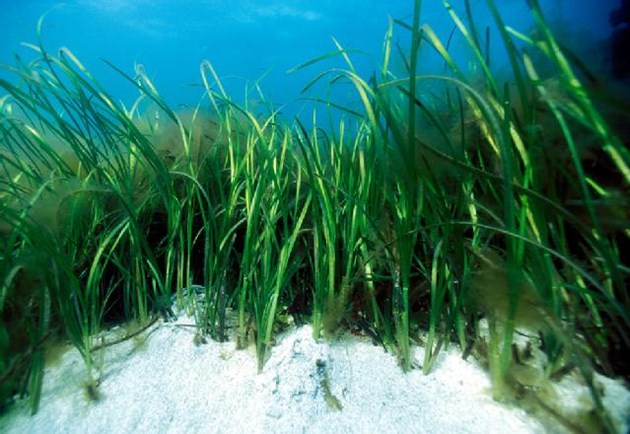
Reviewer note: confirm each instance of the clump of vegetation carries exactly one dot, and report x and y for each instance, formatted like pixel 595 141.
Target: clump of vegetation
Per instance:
pixel 394 217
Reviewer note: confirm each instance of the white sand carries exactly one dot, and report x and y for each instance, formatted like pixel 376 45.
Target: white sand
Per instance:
pixel 170 385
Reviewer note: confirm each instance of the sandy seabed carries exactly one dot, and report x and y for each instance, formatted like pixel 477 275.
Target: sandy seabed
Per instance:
pixel 168 384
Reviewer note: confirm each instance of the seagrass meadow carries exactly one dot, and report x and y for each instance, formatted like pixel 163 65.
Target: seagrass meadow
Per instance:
pixel 456 208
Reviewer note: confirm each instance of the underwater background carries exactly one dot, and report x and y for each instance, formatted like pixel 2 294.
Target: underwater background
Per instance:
pixel 254 40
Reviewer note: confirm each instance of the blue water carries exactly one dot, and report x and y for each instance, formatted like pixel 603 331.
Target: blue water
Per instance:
pixel 251 41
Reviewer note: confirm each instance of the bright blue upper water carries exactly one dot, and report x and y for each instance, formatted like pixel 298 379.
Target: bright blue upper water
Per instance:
pixel 248 40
